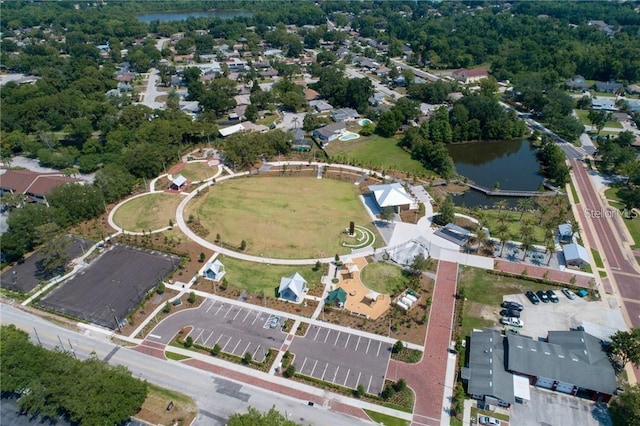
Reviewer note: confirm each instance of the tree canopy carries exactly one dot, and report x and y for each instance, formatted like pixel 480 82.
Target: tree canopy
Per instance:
pixel 254 417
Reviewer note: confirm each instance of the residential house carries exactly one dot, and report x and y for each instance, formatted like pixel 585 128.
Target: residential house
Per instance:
pixel 604 104
pixel 608 86
pixel 603 26
pixel 392 195
pixel 299 142
pixel 311 95
pixel 273 52
pixel 330 132
pixel 292 288
pixel 633 89
pixel 470 76
pixel 344 114
pixel 376 99
pixel 214 270
pixel 577 82
pixel 247 126
pixel 269 73
pixel 33 186
pixel 575 255
pixel 321 105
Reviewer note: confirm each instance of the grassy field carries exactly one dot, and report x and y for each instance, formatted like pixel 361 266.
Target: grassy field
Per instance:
pixel 376 151
pixel 198 171
pixel 149 212
pixel 633 225
pixel 584 118
pixel 262 278
pixel 386 420
pixel 282 217
pixel 514 223
pixel 597 258
pixel 383 277
pixel 612 194
pixel 154 409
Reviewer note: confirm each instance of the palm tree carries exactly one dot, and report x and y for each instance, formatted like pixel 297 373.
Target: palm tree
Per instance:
pixel 500 205
pixel 502 232
pixel 551 246
pixel 524 204
pixel 526 245
pixel 295 121
pixel 543 209
pixel 526 233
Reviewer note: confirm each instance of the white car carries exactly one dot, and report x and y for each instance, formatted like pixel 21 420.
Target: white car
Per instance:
pixel 486 420
pixel 511 322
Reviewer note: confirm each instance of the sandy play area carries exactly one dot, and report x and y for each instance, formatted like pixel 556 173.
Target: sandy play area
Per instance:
pixel 359 298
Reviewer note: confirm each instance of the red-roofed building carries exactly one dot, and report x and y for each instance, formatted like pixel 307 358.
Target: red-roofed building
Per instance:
pixel 34 186
pixel 470 76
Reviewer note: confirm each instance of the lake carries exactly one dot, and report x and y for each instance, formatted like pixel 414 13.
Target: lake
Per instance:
pixel 182 16
pixel 512 164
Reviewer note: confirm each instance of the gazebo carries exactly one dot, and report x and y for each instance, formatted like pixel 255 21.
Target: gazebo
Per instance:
pixel 351 269
pixel 337 297
pixel 292 288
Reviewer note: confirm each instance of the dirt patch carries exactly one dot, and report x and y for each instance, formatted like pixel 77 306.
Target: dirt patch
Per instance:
pixel 479 310
pixel 444 190
pixel 154 409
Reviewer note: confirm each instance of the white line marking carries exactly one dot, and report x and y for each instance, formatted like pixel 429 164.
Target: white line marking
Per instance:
pixel 225 346
pixel 155 336
pixel 337 337
pixel 335 375
pixel 303 363
pixel 359 337
pixel 368 344
pixel 221 306
pixel 379 346
pixel 317 334
pixel 324 372
pixel 370 378
pixel 346 378
pixel 256 351
pixel 236 347
pixel 213 302
pixel 358 381
pixel 218 339
pixel 205 342
pixel 314 368
pixel 256 318
pixel 245 318
pixel 327 336
pixel 239 310
pixel 245 349
pixel 196 339
pixel 348 337
pixel 230 307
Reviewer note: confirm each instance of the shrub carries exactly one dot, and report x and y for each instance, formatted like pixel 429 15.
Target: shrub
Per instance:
pixel 192 297
pixel 359 391
pixel 290 371
pixel 398 347
pixel 243 245
pixel 247 358
pixel 188 342
pixel 201 257
pixel 400 385
pixel 160 288
pixel 215 351
pixel 387 392
pixel 167 307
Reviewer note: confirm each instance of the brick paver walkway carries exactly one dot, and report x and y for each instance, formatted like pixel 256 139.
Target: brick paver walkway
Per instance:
pixel 427 378
pixel 151 348
pixel 539 271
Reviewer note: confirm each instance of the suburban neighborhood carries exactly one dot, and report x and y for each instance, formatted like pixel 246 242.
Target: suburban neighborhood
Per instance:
pixel 405 213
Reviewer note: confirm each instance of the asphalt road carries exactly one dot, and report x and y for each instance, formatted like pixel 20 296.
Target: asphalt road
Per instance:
pixel 217 397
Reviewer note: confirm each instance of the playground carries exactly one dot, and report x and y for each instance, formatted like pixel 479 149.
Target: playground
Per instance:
pixel 361 299
pixel 282 217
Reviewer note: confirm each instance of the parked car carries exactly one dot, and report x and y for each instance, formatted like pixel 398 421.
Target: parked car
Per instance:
pixel 570 295
pixel 512 305
pixel 510 313
pixel 486 420
pixel 542 295
pixel 532 297
pixel 511 322
pixel 552 296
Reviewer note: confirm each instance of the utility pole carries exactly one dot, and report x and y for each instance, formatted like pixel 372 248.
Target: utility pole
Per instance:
pixel 37 337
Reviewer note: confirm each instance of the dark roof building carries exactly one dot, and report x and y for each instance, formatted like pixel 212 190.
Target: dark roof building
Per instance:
pixel 608 86
pixel 35 186
pixel 337 297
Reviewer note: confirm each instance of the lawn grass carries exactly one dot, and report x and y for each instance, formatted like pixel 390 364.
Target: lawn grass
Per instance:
pixel 514 222
pixel 597 258
pixel 383 277
pixel 584 118
pixel 612 194
pixel 174 356
pixel 633 225
pixel 574 193
pixel 282 217
pixel 376 152
pixel 262 278
pixel 198 171
pixel 154 409
pixel 385 419
pixel 147 213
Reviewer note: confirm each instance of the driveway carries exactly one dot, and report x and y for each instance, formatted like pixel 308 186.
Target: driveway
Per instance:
pixel 288 122
pixel 548 408
pixel 151 92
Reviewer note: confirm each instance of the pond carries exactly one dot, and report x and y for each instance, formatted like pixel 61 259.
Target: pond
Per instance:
pixel 182 16
pixel 511 164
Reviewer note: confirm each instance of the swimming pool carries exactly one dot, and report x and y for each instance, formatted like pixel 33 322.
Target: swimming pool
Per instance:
pixel 365 121
pixel 349 136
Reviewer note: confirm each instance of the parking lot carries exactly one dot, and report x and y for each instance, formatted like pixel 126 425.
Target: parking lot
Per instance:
pixel 556 409
pixel 235 329
pixel 596 316
pixel 342 358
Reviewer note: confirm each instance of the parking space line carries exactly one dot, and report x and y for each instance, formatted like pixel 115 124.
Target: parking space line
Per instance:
pixel 256 318
pixel 379 346
pixel 213 302
pixel 317 334
pixel 327 336
pixel 368 344
pixel 358 381
pixel 230 307
pixel 314 368
pixel 205 342
pixel 335 375
pixel 245 349
pixel 337 337
pixel 239 310
pixel 255 352
pixel 225 346
pixel 236 347
pixel 359 337
pixel 303 363
pixel 196 339
pixel 346 378
pixel 324 372
pixel 370 378
pixel 245 318
pixel 221 306
pixel 218 339
pixel 348 337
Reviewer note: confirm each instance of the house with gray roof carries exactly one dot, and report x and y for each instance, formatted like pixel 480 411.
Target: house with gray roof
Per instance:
pixel 608 86
pixel 344 114
pixel 575 255
pixel 565 233
pixel 330 132
pixel 577 82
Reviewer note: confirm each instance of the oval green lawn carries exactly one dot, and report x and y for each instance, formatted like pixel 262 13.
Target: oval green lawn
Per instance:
pixel 147 213
pixel 383 277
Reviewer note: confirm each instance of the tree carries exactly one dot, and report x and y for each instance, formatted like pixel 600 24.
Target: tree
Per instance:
pixel 201 257
pixel 173 100
pixel 500 205
pixel 502 232
pixel 215 351
pixel 188 342
pixel 192 297
pixel 524 204
pixel 359 392
pixel 446 213
pixel 419 264
pixel 398 347
pixel 167 307
pixel 387 213
pixel 254 417
pixel 599 119
pixel 243 245
pixel 626 346
pixel 160 288
pixel 246 360
pixel 54 255
pixel 625 408
pixel 290 371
